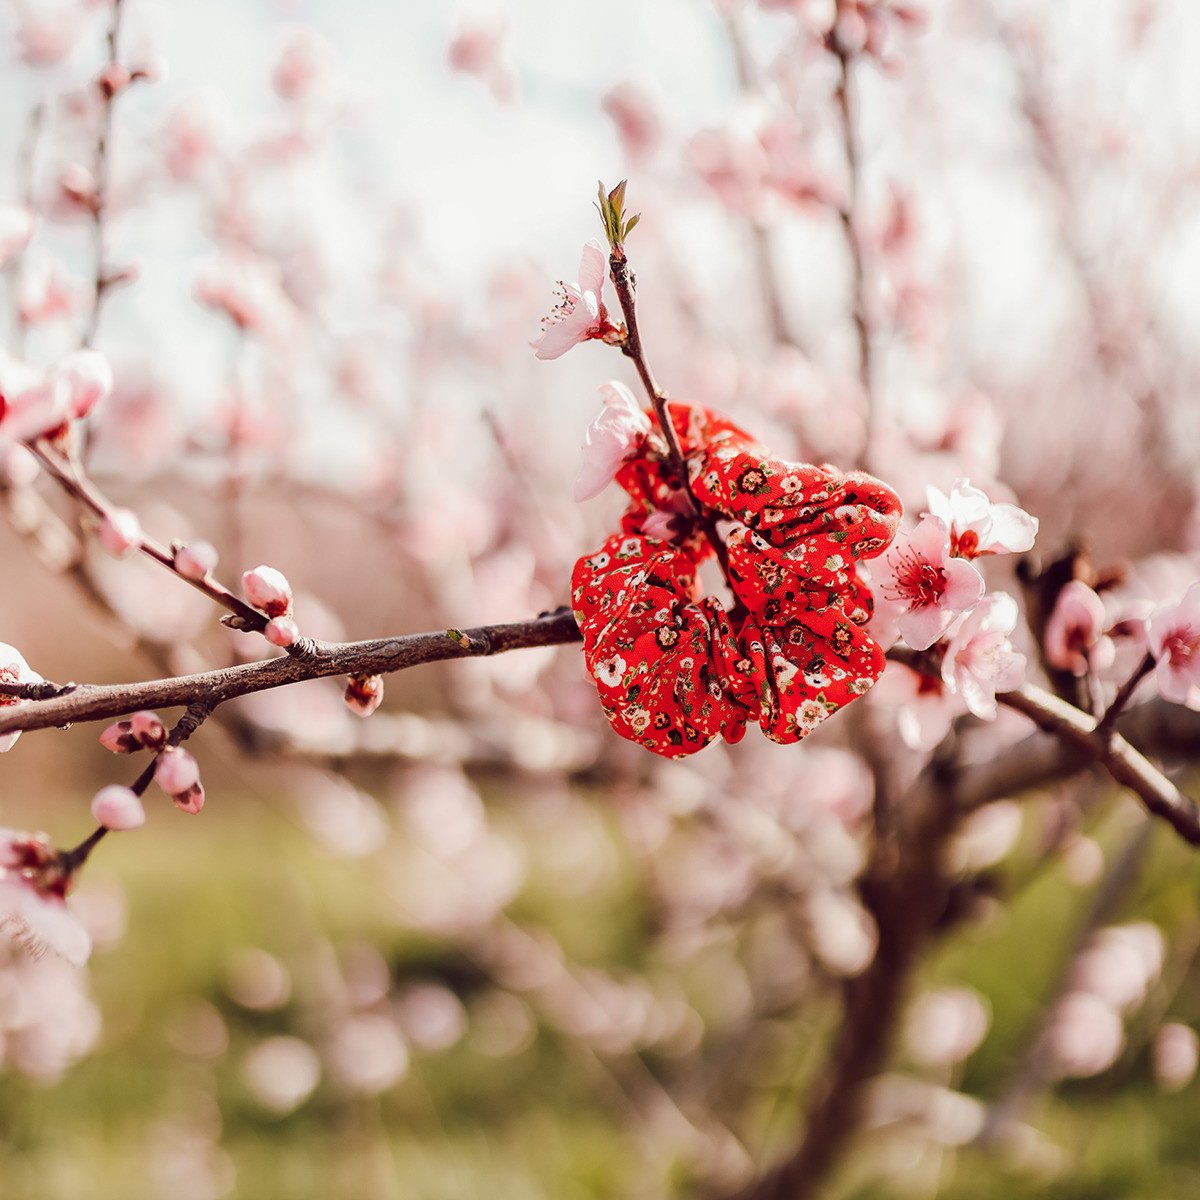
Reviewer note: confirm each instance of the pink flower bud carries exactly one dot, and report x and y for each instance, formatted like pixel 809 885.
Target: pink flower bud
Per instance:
pixel 113 79
pixel 89 380
pixel 364 694
pixel 281 631
pixel 195 559
pixel 1075 631
pixel 149 730
pixel 268 589
pixel 191 801
pixel 120 532
pixel 118 738
pixel 177 771
pixel 118 808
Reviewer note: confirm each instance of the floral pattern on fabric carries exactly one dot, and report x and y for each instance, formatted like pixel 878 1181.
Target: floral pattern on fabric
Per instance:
pixel 673 668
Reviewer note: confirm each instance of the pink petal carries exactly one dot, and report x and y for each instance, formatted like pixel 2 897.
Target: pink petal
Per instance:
pixel 592 268
pixel 1012 530
pixel 964 585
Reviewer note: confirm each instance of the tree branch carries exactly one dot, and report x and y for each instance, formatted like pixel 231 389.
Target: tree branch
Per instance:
pixel 380 656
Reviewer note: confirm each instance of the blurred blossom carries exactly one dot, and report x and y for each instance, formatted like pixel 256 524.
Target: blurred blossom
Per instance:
pixel 33 906
pixel 345 819
pixel 1173 634
pixel 946 1026
pixel 1120 963
pixel 257 980
pixel 637 120
pixel 1084 1037
pixel 366 1054
pixel 197 1029
pixel 842 934
pixel 47 1020
pixel 282 1072
pixel 1075 631
pixel 480 48
pixel 501 1025
pixel 186 1162
pixel 249 290
pixel 431 1016
pixel 1083 861
pixel 1176 1052
pixel 47 290
pixel 924 706
pixel 986 836
pixel 47 32
pixel 17 224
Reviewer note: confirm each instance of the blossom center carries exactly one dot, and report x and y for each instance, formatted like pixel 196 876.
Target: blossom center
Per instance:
pixel 918 582
pixel 1181 646
pixel 965 544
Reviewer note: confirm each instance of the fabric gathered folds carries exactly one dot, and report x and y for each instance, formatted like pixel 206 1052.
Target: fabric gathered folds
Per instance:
pixel 674 669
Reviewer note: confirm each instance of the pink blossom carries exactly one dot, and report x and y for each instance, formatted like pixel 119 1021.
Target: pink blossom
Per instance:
pixel 118 808
pixel 268 589
pixel 611 438
pixel 1075 631
pixel 33 888
pixel 363 694
pixel 934 588
pixel 639 126
pixel 47 290
pixel 1173 634
pixel 1084 1037
pixel 249 290
pixel 120 532
pixel 33 403
pixel 176 771
pixel 980 660
pixel 281 631
pixel 304 67
pixel 13 669
pixel 1176 1053
pixel 923 704
pixel 977 526
pixel 17 224
pixel 195 559
pixel 579 314
pixel 88 378
pixel 45 35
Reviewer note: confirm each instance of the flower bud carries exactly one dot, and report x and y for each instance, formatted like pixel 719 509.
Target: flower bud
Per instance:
pixel 118 808
pixel 119 738
pixel 120 532
pixel 149 730
pixel 364 694
pixel 281 631
pixel 195 560
pixel 177 771
pixel 268 589
pixel 190 801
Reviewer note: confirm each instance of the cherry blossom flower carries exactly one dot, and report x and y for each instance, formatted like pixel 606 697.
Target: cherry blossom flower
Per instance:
pixel 924 706
pixel 611 438
pixel 1173 634
pixel 934 587
pixel 977 526
pixel 33 402
pixel 33 888
pixel 980 660
pixel 118 808
pixel 148 729
pixel 1075 634
pixel 88 378
pixel 580 314
pixel 13 669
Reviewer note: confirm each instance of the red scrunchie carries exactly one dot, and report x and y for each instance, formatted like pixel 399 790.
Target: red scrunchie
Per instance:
pixel 672 670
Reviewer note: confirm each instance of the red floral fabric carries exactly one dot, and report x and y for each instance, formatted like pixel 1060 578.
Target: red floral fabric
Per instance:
pixel 673 668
